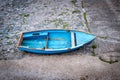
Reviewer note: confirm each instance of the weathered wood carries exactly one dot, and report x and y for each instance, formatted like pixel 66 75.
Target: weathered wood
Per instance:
pixel 46 46
pixel 72 39
pixel 20 40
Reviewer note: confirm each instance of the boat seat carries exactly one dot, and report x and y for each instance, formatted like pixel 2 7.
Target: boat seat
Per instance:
pixel 46 46
pixel 73 39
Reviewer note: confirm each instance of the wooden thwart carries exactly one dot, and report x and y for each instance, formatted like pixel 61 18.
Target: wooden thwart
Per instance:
pixel 46 46
pixel 72 39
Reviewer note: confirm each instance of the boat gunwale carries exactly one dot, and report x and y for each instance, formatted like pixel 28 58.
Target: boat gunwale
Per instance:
pixel 59 29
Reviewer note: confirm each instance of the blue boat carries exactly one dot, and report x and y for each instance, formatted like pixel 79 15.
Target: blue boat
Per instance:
pixel 53 41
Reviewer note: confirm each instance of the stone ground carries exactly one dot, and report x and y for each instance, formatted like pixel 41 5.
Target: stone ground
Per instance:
pixel 19 16
pixel 103 17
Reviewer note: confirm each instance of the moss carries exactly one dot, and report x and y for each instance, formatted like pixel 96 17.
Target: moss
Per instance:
pixel 94 46
pixel 56 24
pixel 59 21
pixel 65 24
pixel 82 3
pixel 75 11
pixel 67 9
pixel 82 24
pixel 25 14
pixel 74 2
pixel 110 62
pixel 85 18
pixel 103 37
pixel 9 43
pixel 56 20
pixel 17 38
pixel 79 15
pixel 62 13
pixel 89 30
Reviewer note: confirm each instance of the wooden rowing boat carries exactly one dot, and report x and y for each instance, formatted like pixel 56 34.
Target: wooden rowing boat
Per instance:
pixel 53 41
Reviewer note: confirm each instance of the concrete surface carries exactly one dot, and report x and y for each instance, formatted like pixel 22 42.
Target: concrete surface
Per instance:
pixel 103 18
pixel 58 67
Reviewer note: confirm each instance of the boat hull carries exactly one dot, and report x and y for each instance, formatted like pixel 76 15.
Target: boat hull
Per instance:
pixel 47 51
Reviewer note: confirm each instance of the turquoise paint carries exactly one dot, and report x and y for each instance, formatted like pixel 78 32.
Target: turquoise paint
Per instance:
pixel 37 42
pixel 82 38
pixel 59 40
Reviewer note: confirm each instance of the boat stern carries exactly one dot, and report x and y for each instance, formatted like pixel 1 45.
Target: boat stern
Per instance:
pixel 20 40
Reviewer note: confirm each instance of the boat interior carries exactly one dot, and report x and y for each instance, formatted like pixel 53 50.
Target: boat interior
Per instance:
pixel 49 40
pixel 54 40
